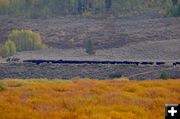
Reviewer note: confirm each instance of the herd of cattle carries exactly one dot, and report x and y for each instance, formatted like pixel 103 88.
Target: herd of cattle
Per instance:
pixel 17 60
pixel 97 62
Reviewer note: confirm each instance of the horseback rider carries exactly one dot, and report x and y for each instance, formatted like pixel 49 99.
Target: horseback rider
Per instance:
pixel 12 60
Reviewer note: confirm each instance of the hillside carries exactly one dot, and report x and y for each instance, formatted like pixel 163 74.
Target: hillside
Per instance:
pixel 86 99
pixel 146 36
pixel 70 32
pixel 118 29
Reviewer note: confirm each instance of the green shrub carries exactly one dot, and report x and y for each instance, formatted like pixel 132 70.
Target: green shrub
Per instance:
pixel 89 48
pixel 2 88
pixel 164 76
pixel 115 75
pixel 26 40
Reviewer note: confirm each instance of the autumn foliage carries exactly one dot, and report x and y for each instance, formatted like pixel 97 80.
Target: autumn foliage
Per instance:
pixel 46 8
pixel 86 99
pixel 21 40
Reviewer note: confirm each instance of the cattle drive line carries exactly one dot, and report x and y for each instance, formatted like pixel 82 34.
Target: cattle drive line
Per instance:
pixel 99 62
pixel 158 63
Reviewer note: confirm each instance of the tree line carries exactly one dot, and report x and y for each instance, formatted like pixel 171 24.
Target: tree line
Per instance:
pixel 172 8
pixel 45 8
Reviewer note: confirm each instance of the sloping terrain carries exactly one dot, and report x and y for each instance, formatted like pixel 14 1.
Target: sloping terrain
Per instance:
pixel 167 50
pixel 146 36
pixel 70 32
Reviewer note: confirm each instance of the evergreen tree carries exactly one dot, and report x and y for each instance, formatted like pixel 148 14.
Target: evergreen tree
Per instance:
pixel 89 48
pixel 108 4
pixel 80 7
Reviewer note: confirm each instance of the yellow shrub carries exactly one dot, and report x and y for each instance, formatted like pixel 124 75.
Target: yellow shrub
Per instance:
pixel 86 99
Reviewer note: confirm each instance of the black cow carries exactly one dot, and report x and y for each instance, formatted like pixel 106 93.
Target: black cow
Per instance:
pixel 160 63
pixel 176 63
pixel 34 61
pixel 147 63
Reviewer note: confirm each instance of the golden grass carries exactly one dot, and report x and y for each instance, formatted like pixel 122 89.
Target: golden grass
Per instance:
pixel 86 99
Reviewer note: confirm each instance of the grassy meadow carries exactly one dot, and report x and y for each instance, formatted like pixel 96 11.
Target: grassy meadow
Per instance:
pixel 86 99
